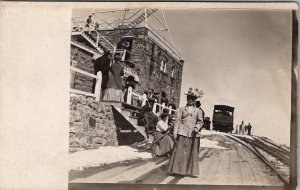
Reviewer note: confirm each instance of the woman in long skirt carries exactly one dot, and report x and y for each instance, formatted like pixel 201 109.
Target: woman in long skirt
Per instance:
pixel 185 158
pixel 114 90
pixel 163 142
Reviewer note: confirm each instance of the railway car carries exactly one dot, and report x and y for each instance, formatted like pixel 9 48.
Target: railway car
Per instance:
pixel 223 118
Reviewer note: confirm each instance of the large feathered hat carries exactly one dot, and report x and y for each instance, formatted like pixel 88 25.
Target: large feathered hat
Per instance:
pixel 195 93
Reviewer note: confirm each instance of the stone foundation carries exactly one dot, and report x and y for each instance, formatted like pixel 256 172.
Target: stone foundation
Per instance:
pixel 91 124
pixel 94 124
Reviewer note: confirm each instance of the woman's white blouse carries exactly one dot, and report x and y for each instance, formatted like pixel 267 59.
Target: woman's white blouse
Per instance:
pixel 161 126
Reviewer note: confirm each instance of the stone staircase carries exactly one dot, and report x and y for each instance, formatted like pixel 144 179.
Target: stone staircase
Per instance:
pixel 141 18
pixel 126 113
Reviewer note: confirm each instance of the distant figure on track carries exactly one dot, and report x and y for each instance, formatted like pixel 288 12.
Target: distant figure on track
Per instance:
pixel 249 129
pixel 237 129
pixel 185 158
pixel 241 128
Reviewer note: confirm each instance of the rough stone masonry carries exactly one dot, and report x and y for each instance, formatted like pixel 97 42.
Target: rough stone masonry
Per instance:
pixel 91 124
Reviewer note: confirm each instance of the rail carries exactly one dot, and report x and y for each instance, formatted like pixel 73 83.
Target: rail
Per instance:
pixel 80 25
pixel 157 108
pixel 98 78
pixel 253 149
pixel 161 107
pixel 131 94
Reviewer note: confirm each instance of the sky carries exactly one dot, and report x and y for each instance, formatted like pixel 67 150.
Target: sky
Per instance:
pixel 240 58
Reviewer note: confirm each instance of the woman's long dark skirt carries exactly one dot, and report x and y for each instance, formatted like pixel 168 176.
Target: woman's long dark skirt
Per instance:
pixel 164 146
pixel 185 158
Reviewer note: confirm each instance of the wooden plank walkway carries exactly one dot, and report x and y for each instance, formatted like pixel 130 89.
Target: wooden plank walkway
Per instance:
pixel 233 165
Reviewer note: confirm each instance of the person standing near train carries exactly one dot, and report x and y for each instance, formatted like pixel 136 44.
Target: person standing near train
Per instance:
pixel 185 157
pixel 241 128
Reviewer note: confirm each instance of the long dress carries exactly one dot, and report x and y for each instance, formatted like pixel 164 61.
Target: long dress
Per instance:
pixel 185 157
pixel 114 92
pixel 165 143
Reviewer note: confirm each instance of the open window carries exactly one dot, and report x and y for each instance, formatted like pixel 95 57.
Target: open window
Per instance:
pixel 124 48
pixel 163 64
pixel 173 72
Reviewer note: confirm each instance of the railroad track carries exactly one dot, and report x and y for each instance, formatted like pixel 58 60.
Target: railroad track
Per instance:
pixel 252 146
pixel 272 144
pixel 275 151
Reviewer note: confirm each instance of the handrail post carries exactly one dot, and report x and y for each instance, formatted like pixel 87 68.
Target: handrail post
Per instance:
pixel 163 106
pixel 124 53
pixel 115 48
pixel 170 109
pixel 72 81
pixel 129 95
pixel 144 99
pixel 97 41
pixel 154 108
pixel 98 86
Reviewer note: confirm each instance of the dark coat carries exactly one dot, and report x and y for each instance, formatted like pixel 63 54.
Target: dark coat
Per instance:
pixel 115 79
pixel 103 64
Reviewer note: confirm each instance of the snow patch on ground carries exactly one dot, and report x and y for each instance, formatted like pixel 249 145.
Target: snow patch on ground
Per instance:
pixel 210 144
pixel 208 132
pixel 104 155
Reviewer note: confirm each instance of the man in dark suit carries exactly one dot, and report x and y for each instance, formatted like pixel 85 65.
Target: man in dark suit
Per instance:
pixel 103 64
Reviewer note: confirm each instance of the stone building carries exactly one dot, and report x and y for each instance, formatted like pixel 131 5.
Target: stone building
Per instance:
pixel 150 59
pixel 153 65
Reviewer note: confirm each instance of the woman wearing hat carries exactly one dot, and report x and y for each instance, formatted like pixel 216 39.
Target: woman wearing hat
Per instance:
pixel 185 158
pixel 115 85
pixel 162 143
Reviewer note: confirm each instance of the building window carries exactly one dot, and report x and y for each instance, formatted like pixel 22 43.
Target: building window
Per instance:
pixel 173 72
pixel 163 66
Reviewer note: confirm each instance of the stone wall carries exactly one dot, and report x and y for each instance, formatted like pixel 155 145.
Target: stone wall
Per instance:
pixel 82 60
pixel 91 124
pixel 151 75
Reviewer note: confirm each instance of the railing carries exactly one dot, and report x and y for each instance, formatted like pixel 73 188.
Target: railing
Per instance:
pixel 124 51
pixel 161 108
pixel 98 78
pixel 143 98
pixel 130 95
pixel 80 25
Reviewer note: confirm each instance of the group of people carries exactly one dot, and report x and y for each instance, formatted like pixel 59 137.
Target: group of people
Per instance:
pixel 243 129
pixel 162 100
pixel 179 138
pixel 112 86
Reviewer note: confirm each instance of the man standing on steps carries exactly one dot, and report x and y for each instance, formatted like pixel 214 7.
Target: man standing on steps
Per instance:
pixel 89 21
pixel 103 64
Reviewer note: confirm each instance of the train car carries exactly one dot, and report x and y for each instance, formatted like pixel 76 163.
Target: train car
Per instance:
pixel 223 118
